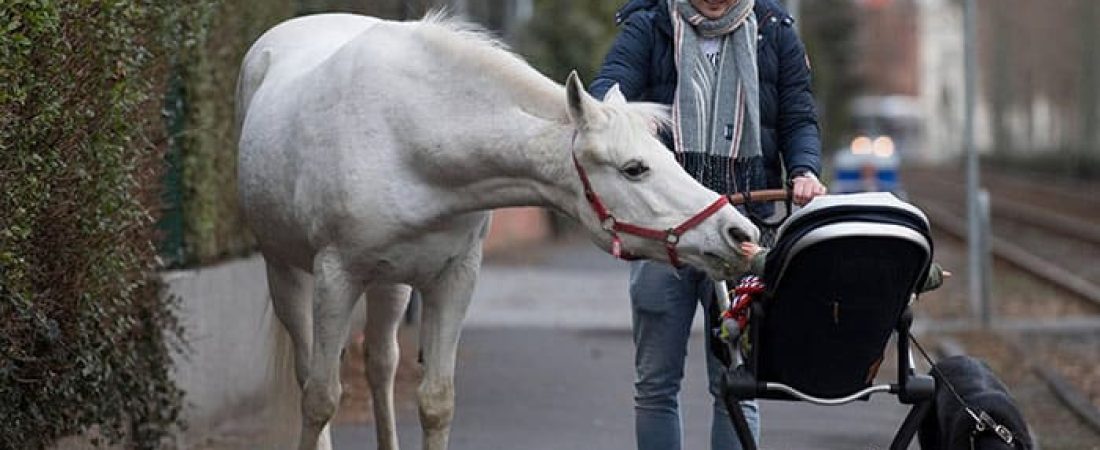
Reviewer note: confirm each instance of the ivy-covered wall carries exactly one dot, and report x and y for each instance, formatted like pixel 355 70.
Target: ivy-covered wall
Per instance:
pixel 85 337
pixel 207 152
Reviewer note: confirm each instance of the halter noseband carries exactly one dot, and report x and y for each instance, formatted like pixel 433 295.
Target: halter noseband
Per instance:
pixel 670 237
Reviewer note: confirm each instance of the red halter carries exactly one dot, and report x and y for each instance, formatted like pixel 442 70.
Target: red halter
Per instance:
pixel 670 237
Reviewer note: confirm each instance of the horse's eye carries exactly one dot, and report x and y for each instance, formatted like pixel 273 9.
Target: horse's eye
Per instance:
pixel 634 170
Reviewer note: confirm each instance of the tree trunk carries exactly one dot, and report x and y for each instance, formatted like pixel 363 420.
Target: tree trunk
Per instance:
pixel 1002 100
pixel 1087 146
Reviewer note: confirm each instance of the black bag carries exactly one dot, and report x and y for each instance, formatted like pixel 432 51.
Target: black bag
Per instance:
pixel 948 425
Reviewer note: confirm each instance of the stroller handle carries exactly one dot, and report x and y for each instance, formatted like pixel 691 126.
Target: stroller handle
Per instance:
pixel 765 195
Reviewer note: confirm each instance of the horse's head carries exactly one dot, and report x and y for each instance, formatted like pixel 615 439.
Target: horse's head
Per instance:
pixel 638 181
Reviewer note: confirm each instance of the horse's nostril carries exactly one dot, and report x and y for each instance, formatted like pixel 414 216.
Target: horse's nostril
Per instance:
pixel 739 235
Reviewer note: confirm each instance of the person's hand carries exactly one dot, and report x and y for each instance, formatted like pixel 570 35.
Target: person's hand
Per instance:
pixel 749 249
pixel 805 187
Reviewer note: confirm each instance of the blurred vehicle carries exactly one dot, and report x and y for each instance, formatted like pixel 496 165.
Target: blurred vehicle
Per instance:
pixel 888 131
pixel 867 165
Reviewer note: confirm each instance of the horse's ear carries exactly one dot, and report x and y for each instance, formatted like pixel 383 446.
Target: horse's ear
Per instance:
pixel 583 109
pixel 614 96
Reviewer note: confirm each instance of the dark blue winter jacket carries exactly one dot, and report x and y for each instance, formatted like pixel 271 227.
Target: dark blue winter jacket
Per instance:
pixel 641 61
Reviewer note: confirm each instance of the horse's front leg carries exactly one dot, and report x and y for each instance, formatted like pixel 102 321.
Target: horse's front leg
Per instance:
pixel 445 302
pixel 335 293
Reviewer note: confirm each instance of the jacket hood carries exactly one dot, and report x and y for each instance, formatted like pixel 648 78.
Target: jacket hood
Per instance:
pixel 633 6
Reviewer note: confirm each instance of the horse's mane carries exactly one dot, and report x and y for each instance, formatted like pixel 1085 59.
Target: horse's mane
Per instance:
pixel 476 46
pixel 538 95
pixel 468 30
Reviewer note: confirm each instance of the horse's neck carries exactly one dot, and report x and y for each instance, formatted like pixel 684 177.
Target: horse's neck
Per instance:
pixel 514 149
pixel 526 164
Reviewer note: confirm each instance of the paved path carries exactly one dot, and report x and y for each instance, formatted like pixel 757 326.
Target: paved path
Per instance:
pixel 546 363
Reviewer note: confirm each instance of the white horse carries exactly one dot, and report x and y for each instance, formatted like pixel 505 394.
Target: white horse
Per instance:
pixel 371 153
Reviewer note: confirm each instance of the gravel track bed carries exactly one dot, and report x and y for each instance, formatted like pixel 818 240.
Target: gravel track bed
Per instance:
pixel 1074 356
pixel 1016 294
pixel 1074 197
pixel 1075 256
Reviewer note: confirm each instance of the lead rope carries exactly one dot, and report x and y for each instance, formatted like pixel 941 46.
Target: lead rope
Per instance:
pixel 982 420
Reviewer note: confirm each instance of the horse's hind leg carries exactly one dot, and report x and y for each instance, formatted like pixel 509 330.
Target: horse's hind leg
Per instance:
pixel 335 293
pixel 385 307
pixel 445 302
pixel 291 292
pixel 291 299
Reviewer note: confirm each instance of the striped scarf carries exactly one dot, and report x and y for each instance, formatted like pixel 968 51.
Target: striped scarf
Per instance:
pixel 716 112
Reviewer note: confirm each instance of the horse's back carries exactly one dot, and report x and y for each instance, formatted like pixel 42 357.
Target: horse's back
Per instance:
pixel 343 120
pixel 293 48
pixel 320 163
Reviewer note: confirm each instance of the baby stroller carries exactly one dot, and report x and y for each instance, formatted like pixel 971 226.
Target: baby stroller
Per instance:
pixel 837 283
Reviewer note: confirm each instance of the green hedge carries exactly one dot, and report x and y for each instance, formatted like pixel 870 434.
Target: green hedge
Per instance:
pixel 828 29
pixel 85 339
pixel 212 225
pixel 568 35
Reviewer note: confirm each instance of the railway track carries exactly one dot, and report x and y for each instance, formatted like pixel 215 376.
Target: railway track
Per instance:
pixel 1046 269
pixel 1067 213
pixel 1046 240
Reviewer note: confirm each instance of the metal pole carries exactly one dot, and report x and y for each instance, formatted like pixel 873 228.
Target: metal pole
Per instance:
pixel 972 172
pixel 986 271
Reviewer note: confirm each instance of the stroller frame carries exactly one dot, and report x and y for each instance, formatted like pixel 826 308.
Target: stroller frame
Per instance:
pixel 742 381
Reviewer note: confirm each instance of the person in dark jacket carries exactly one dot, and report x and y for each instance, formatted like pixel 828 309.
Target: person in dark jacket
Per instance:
pixel 738 80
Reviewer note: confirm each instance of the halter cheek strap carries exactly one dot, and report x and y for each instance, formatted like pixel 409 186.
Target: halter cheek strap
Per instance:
pixel 670 237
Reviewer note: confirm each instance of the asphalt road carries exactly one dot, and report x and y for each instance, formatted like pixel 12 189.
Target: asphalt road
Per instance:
pixel 545 362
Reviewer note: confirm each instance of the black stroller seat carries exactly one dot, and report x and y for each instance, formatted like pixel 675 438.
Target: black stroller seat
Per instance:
pixel 839 281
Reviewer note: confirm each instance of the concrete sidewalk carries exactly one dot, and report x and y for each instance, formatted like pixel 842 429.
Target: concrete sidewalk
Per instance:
pixel 546 363
pixel 229 372
pixel 569 286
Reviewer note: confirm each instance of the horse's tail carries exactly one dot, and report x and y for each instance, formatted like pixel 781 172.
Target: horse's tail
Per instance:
pixel 253 70
pixel 283 412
